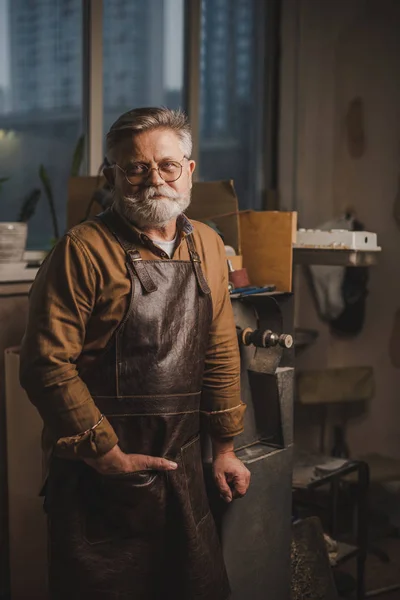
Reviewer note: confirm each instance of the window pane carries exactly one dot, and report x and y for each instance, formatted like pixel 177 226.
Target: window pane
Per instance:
pixel 231 98
pixel 142 55
pixel 40 105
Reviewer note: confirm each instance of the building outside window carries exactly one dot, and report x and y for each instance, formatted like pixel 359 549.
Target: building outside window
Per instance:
pixel 40 105
pixel 232 75
pixel 144 41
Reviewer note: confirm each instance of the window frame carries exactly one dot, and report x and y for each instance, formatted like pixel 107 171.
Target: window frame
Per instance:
pixel 267 162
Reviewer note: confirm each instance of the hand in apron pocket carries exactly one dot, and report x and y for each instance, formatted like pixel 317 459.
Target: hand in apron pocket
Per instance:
pixel 123 505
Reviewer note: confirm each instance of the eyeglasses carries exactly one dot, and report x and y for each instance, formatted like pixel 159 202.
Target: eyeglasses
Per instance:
pixel 168 170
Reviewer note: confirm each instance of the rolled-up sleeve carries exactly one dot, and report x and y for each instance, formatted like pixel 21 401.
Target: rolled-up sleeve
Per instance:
pixel 222 408
pixel 60 304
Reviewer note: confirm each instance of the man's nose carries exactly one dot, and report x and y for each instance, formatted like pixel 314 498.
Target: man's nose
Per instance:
pixel 153 177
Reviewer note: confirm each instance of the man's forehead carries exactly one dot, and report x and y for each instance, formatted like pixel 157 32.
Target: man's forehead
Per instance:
pixel 157 143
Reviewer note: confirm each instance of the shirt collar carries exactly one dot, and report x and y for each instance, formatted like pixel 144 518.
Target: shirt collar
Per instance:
pixel 183 225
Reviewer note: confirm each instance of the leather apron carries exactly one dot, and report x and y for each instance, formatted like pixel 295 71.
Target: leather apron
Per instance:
pixel 143 535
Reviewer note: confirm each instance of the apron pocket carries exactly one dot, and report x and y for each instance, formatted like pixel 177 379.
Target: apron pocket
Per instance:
pixel 193 468
pixel 136 479
pixel 123 506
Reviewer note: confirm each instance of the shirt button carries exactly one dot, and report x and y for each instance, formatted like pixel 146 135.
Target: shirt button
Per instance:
pixel 145 238
pixel 163 255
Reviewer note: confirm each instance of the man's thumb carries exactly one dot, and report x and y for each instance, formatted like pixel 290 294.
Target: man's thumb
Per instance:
pixel 223 486
pixel 155 463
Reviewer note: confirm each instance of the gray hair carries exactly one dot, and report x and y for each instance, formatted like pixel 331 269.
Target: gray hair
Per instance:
pixel 139 120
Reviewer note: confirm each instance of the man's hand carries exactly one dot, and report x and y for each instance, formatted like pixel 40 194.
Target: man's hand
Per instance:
pixel 115 461
pixel 231 476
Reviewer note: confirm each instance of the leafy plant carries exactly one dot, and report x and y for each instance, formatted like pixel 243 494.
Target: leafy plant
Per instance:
pixel 30 202
pixel 76 164
pixel 29 205
pixel 45 179
pixel 3 180
pixel 77 157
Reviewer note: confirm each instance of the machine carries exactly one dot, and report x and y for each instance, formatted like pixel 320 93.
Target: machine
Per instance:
pixel 256 531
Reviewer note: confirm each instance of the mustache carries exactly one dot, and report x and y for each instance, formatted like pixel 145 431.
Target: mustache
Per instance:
pixel 151 192
pixel 146 209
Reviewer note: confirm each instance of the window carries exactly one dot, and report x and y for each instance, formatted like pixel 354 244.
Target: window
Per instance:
pixel 40 107
pixel 41 65
pixel 149 53
pixel 231 105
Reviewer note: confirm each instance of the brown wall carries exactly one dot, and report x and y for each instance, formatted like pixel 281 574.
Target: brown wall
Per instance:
pixel 332 52
pixel 13 314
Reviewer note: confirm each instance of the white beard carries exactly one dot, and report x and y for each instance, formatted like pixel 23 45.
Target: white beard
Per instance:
pixel 144 210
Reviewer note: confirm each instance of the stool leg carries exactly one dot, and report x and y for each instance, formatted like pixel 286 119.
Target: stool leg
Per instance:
pixel 362 527
pixel 334 498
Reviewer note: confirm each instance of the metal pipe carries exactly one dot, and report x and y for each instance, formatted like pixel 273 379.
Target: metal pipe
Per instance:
pixel 383 590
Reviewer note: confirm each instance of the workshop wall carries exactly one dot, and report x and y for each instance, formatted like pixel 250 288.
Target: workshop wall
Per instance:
pixel 338 56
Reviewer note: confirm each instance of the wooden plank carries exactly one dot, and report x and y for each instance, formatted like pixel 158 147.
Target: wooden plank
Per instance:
pixel 80 192
pixel 330 386
pixel 13 316
pixel 267 239
pixel 27 520
pixel 211 201
pixel 217 201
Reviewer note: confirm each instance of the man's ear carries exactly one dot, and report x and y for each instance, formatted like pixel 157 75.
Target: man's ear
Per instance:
pixel 192 166
pixel 109 174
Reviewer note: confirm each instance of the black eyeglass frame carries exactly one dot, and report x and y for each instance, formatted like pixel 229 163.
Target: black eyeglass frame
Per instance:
pixel 149 169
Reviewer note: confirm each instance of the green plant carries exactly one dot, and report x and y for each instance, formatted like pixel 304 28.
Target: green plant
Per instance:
pixel 3 180
pixel 30 202
pixel 29 205
pixel 48 190
pixel 77 157
pixel 76 164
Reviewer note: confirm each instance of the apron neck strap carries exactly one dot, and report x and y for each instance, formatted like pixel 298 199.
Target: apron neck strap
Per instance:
pixel 119 229
pixel 196 262
pixel 121 232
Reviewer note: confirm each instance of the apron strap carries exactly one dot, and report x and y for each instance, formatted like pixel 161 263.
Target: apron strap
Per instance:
pixel 196 262
pixel 137 264
pixel 135 261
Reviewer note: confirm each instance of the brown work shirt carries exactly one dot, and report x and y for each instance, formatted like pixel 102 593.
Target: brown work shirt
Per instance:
pixel 79 297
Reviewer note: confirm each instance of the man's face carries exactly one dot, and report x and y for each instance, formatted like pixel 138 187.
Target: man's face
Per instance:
pixel 152 202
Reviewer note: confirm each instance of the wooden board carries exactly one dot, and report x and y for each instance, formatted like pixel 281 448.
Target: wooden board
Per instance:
pixel 80 192
pixel 267 239
pixel 27 520
pixel 217 201
pixel 13 316
pixel 236 261
pixel 211 201
pixel 330 386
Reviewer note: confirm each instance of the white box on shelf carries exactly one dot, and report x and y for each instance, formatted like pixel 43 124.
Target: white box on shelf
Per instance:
pixel 339 239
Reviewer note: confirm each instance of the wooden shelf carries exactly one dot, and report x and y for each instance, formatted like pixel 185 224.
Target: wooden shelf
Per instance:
pixel 335 257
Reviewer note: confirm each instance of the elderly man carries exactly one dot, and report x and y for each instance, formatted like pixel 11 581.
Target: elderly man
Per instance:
pixel 130 347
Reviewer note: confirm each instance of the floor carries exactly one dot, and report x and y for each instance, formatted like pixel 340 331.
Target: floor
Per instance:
pixel 379 574
pixel 384 526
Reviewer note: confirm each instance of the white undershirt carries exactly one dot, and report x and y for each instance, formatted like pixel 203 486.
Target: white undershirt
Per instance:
pixel 168 247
